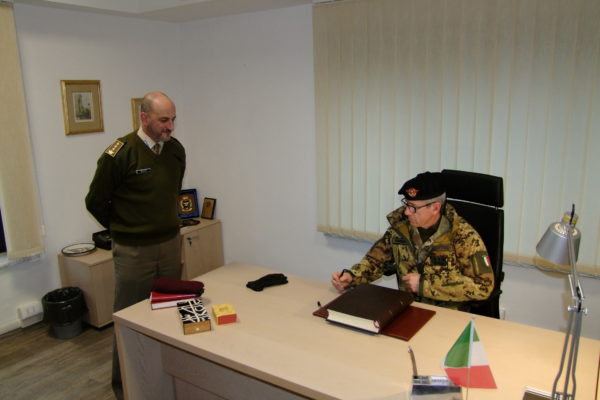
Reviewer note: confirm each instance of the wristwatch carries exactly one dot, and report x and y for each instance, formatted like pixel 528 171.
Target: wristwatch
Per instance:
pixel 348 271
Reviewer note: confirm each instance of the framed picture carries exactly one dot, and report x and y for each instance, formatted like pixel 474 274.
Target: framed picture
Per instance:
pixel 187 204
pixel 208 208
pixel 82 107
pixel 136 103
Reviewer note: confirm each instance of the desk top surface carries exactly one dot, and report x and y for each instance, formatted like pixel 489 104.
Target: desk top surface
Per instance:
pixel 278 340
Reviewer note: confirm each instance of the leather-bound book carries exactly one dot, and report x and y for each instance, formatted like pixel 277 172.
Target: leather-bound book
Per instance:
pixel 368 307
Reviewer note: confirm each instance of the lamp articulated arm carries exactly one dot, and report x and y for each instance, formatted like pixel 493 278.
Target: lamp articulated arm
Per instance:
pixel 560 245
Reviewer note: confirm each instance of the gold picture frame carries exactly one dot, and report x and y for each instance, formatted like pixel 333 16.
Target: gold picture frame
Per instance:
pixel 82 106
pixel 136 104
pixel 208 208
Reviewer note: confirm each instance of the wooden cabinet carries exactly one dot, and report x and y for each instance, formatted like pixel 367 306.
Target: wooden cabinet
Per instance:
pixel 201 250
pixel 94 274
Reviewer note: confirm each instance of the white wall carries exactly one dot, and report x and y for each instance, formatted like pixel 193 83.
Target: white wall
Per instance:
pixel 244 89
pixel 249 97
pixel 129 57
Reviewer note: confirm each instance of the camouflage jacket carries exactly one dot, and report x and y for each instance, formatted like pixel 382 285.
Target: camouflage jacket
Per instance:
pixel 453 263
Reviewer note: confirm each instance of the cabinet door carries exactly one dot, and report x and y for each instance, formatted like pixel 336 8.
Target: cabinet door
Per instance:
pixel 202 250
pixel 94 275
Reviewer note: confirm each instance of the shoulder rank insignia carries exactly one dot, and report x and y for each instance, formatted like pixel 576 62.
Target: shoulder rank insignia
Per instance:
pixel 114 148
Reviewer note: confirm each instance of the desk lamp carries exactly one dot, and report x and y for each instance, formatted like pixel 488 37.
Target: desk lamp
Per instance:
pixel 560 245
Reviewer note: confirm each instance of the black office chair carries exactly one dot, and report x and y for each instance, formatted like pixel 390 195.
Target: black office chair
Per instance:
pixel 478 198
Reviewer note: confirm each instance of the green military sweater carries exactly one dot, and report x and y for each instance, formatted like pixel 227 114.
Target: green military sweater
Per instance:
pixel 134 192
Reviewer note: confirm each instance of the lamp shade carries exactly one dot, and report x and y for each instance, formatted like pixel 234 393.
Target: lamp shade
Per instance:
pixel 553 246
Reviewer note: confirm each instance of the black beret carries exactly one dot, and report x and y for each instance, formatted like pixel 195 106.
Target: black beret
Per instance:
pixel 424 186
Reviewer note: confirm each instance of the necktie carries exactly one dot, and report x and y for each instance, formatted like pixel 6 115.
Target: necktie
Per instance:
pixel 156 148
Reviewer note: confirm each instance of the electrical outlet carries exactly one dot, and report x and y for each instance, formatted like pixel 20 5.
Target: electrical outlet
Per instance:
pixel 29 310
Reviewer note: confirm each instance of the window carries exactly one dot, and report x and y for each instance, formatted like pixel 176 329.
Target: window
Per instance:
pixel 509 88
pixel 18 191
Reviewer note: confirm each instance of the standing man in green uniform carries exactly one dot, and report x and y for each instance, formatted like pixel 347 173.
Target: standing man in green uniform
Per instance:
pixel 436 254
pixel 134 194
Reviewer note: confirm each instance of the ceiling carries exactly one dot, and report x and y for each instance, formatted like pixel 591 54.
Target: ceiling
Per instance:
pixel 168 10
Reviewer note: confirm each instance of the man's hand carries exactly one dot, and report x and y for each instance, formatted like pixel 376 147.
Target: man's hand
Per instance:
pixel 412 281
pixel 341 280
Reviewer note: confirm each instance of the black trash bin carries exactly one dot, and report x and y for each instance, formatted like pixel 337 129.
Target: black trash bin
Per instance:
pixel 64 309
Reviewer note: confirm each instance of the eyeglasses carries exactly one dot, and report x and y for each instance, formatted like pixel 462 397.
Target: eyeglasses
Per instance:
pixel 414 209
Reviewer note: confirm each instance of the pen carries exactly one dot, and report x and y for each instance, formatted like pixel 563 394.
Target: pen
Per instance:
pixel 414 362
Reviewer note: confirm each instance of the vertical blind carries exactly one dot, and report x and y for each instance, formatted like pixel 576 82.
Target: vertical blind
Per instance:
pixel 504 87
pixel 18 191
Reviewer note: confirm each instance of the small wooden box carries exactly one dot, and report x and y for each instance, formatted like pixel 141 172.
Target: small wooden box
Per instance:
pixel 194 316
pixel 224 314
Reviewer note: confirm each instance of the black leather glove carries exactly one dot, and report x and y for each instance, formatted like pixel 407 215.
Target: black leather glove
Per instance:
pixel 266 281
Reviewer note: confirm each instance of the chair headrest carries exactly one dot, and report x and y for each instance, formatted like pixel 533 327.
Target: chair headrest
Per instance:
pixel 474 187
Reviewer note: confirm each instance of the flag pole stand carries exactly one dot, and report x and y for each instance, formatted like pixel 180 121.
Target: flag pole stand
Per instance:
pixel 438 387
pixel 469 363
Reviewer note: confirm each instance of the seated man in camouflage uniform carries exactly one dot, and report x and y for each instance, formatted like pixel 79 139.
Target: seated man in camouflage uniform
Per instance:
pixel 435 253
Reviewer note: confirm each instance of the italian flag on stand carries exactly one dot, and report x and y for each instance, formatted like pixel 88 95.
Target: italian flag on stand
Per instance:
pixel 466 363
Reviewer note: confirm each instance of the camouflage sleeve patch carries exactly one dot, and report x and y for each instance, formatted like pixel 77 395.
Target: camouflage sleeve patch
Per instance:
pixel 114 148
pixel 481 263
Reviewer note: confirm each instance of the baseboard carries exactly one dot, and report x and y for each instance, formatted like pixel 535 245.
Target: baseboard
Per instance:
pixel 34 319
pixel 10 326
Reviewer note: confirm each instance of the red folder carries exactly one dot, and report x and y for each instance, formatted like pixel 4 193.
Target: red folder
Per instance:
pixel 165 300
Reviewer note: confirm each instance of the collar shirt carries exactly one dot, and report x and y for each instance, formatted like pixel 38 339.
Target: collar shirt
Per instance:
pixel 147 140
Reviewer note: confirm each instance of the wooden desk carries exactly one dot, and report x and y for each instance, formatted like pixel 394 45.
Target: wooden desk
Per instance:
pixel 278 350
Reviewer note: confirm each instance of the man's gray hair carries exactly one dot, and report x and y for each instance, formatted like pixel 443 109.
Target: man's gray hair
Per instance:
pixel 439 199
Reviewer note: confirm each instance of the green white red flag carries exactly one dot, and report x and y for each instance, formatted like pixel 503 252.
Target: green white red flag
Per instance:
pixel 466 363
